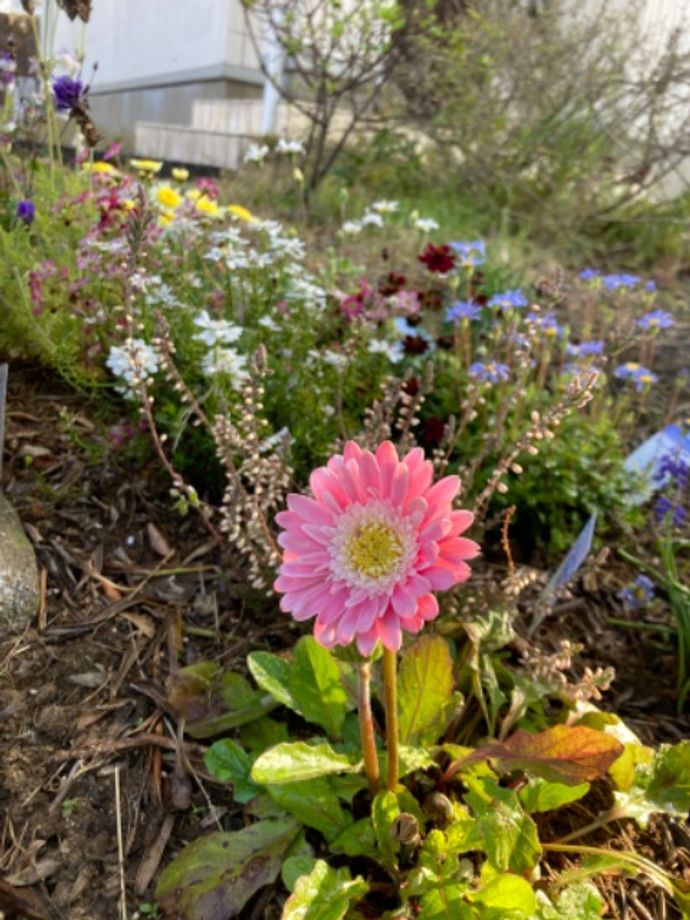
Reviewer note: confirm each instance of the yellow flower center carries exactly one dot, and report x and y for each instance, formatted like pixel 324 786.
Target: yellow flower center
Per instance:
pixel 374 549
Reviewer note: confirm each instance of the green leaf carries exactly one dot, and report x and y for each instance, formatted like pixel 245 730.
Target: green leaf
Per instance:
pixel 510 836
pixel 624 771
pixel 445 901
pixel 294 867
pixel 410 759
pixel 262 734
pixel 272 674
pixel 384 810
pixel 669 787
pixel 292 762
pixel 324 894
pixel 506 897
pixel 314 803
pixel 356 840
pixel 425 685
pixel 580 902
pixel 211 700
pixel 541 795
pixel 215 876
pixel 230 763
pixel 316 686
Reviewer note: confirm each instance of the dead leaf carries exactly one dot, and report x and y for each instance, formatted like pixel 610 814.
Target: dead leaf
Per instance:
pixel 38 871
pixel 158 542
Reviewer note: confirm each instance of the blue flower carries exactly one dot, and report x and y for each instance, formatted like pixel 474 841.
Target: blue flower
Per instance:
pixel 463 309
pixel 639 593
pixel 67 93
pixel 489 371
pixel 613 282
pixel 584 349
pixel 657 319
pixel 635 373
pixel 547 323
pixel 470 254
pixel 650 286
pixel 672 469
pixel 507 299
pixel 588 274
pixel 26 211
pixel 664 507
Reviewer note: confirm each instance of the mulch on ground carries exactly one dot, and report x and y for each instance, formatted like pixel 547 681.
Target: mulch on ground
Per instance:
pixel 98 789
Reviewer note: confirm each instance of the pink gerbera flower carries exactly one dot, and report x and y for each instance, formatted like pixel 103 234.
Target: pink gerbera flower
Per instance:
pixel 364 555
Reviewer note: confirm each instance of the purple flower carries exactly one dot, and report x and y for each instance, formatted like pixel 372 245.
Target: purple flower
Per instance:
pixel 650 286
pixel 639 593
pixel 657 319
pixel 489 371
pixel 26 211
pixel 672 469
pixel 470 254
pixel 504 300
pixel 614 282
pixel 584 349
pixel 547 323
pixel 67 93
pixel 463 309
pixel 665 508
pixel 635 373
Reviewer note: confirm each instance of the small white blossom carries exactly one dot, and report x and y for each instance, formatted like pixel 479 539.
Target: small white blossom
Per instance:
pixel 215 331
pixel 334 358
pixel 286 146
pixel 226 361
pixel 255 153
pixel 269 323
pixel 352 227
pixel 393 352
pixel 371 219
pixel 426 224
pixel 384 206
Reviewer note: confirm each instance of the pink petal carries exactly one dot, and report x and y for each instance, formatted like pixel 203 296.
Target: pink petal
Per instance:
pixel 404 603
pixel 366 642
pixel 285 583
pixel 325 635
pixel 427 607
pixel 386 453
pixel 368 613
pixel 439 577
pixel 417 585
pixel 309 510
pixel 461 521
pixel 414 458
pixel 322 535
pixel 333 608
pixel 435 531
pixel 297 542
pixel 456 549
pixel 369 473
pixel 390 632
pixel 352 450
pixel 346 626
pixel 399 485
pixel 420 480
pixel 442 493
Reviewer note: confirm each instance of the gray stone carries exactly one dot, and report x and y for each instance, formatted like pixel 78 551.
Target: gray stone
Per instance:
pixel 19 591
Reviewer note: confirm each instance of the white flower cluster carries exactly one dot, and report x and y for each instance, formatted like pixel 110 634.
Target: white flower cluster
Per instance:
pixel 286 146
pixel 392 351
pixel 426 224
pixel 256 153
pixel 226 361
pixel 373 217
pixel 133 363
pixel 215 331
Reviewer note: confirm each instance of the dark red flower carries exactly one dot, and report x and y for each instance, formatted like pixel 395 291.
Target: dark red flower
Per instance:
pixel 432 431
pixel 414 345
pixel 446 341
pixel 392 283
pixel 438 259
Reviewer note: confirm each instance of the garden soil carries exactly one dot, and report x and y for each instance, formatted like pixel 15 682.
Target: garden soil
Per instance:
pixel 98 788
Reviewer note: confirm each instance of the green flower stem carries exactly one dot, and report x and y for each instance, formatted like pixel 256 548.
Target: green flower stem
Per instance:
pixel 390 685
pixel 366 728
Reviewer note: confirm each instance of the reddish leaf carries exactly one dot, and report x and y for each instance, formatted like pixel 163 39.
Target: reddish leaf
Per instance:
pixel 561 754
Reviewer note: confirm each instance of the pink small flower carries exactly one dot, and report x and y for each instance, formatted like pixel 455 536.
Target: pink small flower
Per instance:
pixel 365 554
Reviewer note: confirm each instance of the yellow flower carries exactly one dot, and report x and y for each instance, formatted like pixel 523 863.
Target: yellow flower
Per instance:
pixel 100 167
pixel 242 213
pixel 193 194
pixel 207 206
pixel 165 218
pixel 180 174
pixel 129 204
pixel 168 197
pixel 147 166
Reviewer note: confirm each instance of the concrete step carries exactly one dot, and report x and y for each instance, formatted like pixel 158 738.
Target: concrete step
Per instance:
pixel 189 144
